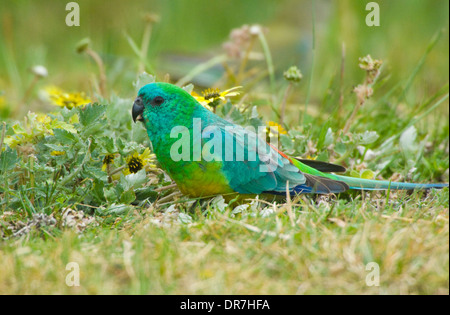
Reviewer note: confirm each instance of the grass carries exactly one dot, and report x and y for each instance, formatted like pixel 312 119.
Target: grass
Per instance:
pixel 135 234
pixel 325 252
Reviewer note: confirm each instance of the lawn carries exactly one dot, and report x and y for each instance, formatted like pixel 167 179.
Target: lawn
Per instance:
pixel 85 207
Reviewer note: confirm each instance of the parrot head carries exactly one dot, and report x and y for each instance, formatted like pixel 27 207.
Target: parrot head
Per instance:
pixel 161 103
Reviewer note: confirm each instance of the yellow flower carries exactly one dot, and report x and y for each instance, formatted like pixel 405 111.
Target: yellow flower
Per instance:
pixel 137 162
pixel 211 97
pixel 43 119
pixel 35 126
pixel 57 153
pixel 276 128
pixel 108 159
pixel 273 130
pixel 69 100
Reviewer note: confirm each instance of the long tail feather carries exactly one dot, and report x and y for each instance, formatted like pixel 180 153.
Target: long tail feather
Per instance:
pixel 368 184
pixel 364 184
pixel 322 166
pixel 323 185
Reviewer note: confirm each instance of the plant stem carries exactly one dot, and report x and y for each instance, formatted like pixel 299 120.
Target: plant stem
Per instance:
pixel 341 83
pixel 3 136
pixel 117 170
pixel 283 103
pixel 201 68
pixel 30 88
pixel 144 46
pixel 166 187
pixel 268 56
pixel 352 117
pixel 244 62
pixel 168 197
pixel 101 69
pixel 6 192
pixel 289 205
pixel 31 176
pixel 308 93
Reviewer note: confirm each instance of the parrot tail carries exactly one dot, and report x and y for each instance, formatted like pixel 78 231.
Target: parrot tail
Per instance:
pixel 316 173
pixel 368 184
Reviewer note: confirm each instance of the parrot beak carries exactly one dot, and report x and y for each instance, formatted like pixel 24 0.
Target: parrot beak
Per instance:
pixel 137 110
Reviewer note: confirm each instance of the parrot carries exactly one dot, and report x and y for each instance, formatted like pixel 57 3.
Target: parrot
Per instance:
pixel 168 112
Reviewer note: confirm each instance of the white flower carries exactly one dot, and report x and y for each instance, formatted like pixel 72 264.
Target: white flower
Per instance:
pixel 40 71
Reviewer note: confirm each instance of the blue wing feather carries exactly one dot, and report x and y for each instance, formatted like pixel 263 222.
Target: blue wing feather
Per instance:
pixel 260 169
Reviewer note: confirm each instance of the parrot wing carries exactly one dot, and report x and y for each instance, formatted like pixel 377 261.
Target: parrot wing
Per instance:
pixel 253 166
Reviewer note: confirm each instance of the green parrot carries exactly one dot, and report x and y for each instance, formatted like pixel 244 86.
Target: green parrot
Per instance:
pixel 207 155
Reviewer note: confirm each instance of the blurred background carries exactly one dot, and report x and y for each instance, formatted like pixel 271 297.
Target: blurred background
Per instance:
pixel 189 33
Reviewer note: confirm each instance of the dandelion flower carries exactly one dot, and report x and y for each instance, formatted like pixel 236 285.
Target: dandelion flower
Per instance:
pixel 137 162
pixel 107 160
pixel 64 99
pixel 273 130
pixel 211 97
pixel 276 128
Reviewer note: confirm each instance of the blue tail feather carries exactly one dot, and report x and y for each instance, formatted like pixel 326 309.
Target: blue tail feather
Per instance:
pixel 369 184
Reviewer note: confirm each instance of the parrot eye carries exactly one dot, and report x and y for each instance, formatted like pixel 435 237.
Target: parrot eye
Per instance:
pixel 158 100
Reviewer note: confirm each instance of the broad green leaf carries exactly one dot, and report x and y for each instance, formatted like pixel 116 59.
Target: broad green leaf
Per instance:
pixel 366 137
pixel 114 209
pixel 188 88
pixel 354 173
pixel 340 148
pixel 143 79
pixel 64 136
pixel 108 144
pixel 58 124
pixel 367 174
pixel 128 196
pixel 135 180
pixel 91 113
pixel 146 193
pixel 8 159
pixel 110 194
pixel 55 147
pixel 287 143
pixel 98 190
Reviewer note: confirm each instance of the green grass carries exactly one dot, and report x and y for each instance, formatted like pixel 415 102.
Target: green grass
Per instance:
pixel 136 234
pixel 325 252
